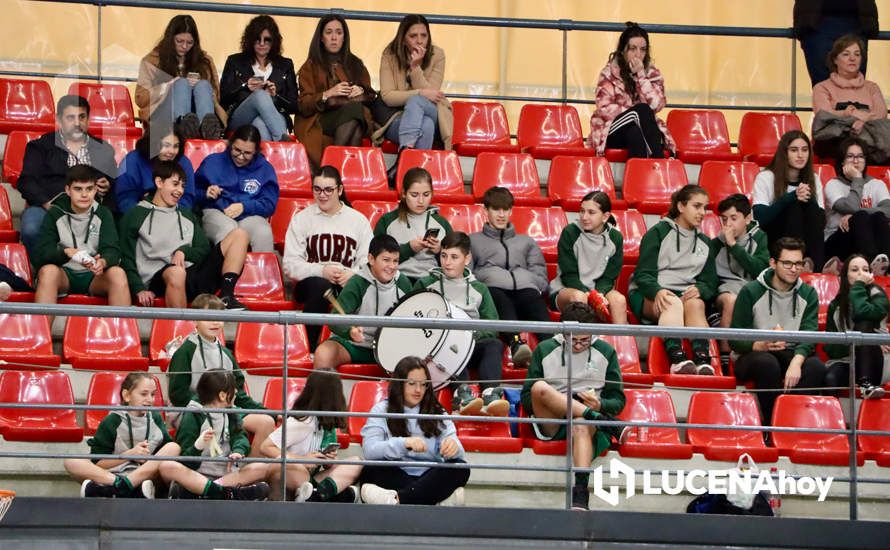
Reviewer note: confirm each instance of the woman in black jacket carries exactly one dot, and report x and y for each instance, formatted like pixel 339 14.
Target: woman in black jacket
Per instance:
pixel 259 86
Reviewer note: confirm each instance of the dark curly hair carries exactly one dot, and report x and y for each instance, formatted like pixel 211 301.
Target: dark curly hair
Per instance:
pixel 252 33
pixel 632 31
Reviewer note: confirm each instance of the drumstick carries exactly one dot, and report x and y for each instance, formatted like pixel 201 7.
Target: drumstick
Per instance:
pixel 329 296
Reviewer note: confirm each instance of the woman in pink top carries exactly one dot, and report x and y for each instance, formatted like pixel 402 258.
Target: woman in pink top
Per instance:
pixel 629 93
pixel 846 104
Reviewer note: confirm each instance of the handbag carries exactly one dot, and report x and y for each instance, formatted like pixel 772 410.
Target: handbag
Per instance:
pixel 381 112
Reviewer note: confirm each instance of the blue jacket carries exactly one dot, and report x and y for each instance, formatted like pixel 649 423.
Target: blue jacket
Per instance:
pixel 255 185
pixel 135 180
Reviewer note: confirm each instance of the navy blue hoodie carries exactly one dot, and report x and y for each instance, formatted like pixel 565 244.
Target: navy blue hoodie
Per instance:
pixel 255 185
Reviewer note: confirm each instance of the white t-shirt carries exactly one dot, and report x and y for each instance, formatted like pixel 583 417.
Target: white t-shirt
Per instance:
pixel 303 436
pixel 873 192
pixel 763 188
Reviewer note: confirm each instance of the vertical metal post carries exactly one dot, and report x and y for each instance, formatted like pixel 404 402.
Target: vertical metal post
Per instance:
pixel 793 74
pixel 284 418
pixel 569 417
pixel 854 484
pixel 565 65
pixel 99 44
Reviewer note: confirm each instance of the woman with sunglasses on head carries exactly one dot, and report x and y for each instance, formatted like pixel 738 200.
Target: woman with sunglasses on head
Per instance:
pixel 334 88
pixel 238 188
pixel 259 86
pixel 324 246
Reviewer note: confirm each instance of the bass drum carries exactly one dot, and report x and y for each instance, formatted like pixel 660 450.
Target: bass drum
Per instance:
pixel 447 351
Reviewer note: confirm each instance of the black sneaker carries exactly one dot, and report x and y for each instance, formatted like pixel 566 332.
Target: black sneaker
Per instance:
pixel 680 364
pixel 91 489
pixel 521 353
pixel 257 491
pixel 190 126
pixel 232 303
pixel 580 498
pixel 703 364
pixel 348 495
pixel 211 127
pixel 179 492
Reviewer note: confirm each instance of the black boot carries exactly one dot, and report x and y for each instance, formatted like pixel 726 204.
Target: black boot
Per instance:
pixel 393 170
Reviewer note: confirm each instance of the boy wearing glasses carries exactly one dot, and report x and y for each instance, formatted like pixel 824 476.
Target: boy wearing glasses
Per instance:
pixel 777 300
pixel 166 253
pixel 597 393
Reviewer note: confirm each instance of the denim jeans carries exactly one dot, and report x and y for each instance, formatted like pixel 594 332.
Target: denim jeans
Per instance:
pixel 817 43
pixel 259 110
pixel 32 220
pixel 182 94
pixel 416 126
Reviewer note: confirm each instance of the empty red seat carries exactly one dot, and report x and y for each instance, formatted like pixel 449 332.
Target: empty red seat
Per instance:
pixel 827 287
pixel 660 366
pixel 711 225
pixel 722 178
pixel 103 343
pixel 760 132
pixel 7 233
pixel 874 414
pixel 549 130
pixel 38 387
pixel 515 171
pixel 468 218
pixel 826 172
pixel 162 332
pixel 26 105
pixel 811 411
pixel 571 178
pixel 198 149
pixel 632 226
pixel 880 172
pixel 111 107
pixel 365 394
pixel 291 165
pixel 15 257
pixel 259 349
pixel 701 135
pixel 727 409
pixel 261 285
pixel 444 168
pixel 121 143
pixel 649 442
pixel 272 395
pixel 286 209
pixel 362 171
pixel 629 360
pixel 480 128
pixel 373 210
pixel 544 225
pixel 105 390
pixel 649 183
pixel 14 154
pixel 26 341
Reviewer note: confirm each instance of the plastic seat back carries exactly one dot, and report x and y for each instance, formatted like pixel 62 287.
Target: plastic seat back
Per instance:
pixel 468 218
pixel 259 348
pixel 261 285
pixel 874 414
pixel 659 366
pixel 549 126
pixel 110 104
pixel 105 390
pixel 826 173
pixel 649 183
pixel 362 171
pixel 38 387
pixel 163 331
pixel 699 134
pixel 827 287
pixel 14 154
pixel 711 225
pixel 629 359
pixel 121 143
pixel 25 340
pixel 291 165
pixel 444 168
pixel 272 395
pixel 7 233
pixel 365 394
pixel 729 409
pixel 373 210
pixel 108 343
pixel 480 127
pixel 572 177
pixel 286 209
pixel 722 178
pixel 26 105
pixel 648 442
pixel 198 149
pixel 811 411
pixel 515 171
pixel 760 132
pixel 632 226
pixel 544 225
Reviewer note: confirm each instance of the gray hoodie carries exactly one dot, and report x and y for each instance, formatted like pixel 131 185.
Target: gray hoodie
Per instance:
pixel 507 260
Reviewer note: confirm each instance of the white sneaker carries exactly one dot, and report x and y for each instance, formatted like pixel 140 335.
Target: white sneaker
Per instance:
pixel 373 494
pixel 148 489
pixel 456 498
pixel 303 492
pixel 704 370
pixel 872 392
pixel 684 367
pixel 880 265
pixel 83 488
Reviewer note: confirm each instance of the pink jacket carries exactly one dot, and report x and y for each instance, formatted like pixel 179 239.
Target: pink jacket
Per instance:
pixel 828 93
pixel 612 100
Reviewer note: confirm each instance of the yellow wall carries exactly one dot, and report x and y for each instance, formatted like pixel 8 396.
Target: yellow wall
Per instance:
pixel 62 38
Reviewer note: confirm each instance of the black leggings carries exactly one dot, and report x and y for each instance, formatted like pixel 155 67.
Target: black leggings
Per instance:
pixel 805 221
pixel 869 363
pixel 486 360
pixel 869 235
pixel 520 305
pixel 636 130
pixel 767 370
pixel 434 486
pixel 310 292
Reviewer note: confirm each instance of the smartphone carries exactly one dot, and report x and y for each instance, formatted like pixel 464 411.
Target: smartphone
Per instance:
pixel 431 233
pixel 331 448
pixel 194 75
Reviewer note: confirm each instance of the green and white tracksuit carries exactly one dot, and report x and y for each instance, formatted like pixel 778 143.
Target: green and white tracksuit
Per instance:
pixel 588 260
pixel 121 431
pixel 413 264
pixel 739 264
pixel 466 293
pixel 230 438
pixel 867 303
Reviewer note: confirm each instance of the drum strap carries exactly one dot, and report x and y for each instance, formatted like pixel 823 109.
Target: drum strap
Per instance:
pixel 442 289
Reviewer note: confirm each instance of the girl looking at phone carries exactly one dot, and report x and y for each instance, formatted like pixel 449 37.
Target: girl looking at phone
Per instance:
pixel 416 225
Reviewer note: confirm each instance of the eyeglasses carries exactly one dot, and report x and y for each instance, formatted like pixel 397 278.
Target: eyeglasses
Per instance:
pixel 855 157
pixel 788 264
pixel 264 40
pixel 417 383
pixel 170 145
pixel 324 190
pixel 236 152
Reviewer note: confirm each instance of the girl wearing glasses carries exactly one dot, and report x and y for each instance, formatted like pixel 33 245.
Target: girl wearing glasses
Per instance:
pixel 335 86
pixel 858 212
pixel 238 188
pixel 258 84
pixel 325 244
pixel 162 141
pixel 788 198
pixel 410 439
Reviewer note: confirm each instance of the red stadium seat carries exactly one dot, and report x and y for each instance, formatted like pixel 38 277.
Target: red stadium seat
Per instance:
pixel 7 233
pixel 26 105
pixel 874 414
pixel 760 132
pixel 660 366
pixel 648 442
pixel 544 225
pixel 365 394
pixel 480 128
pixel 373 210
pixel 272 395
pixel 649 183
pixel 810 411
pixel 291 165
pixel 121 143
pixel 261 286
pixel 711 225
pixel 259 349
pixel 632 226
pixel 880 172
pixel 38 387
pixel 286 209
pixel 629 360
pixel 701 135
pixel 14 154
pixel 727 409
pixel 362 170
pixel 571 178
pixel 549 130
pixel 468 218
pixel 26 342
pixel 484 437
pixel 515 171
pixel 722 178
pixel 105 390
pixel 623 280
pixel 103 343
pixel 826 172
pixel 111 108
pixel 15 257
pixel 538 446
pixel 444 168
pixel 198 149
pixel 162 332
pixel 827 287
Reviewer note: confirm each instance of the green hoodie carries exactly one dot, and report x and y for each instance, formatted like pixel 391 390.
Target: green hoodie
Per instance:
pixel 466 293
pixel 867 303
pixel 588 260
pixel 228 431
pixel 365 295
pixel 413 264
pixel 92 231
pixel 738 264
pixel 120 431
